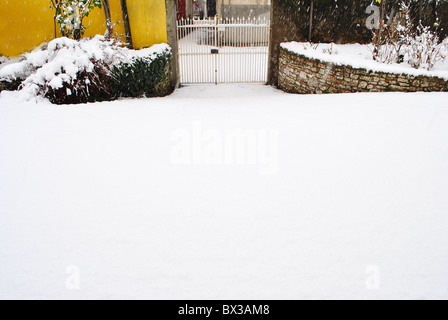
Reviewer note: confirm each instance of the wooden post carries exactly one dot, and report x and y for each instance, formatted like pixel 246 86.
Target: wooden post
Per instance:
pixel 55 4
pixel 382 16
pixel 108 17
pixel 311 21
pixel 379 32
pixel 127 25
pixel 420 11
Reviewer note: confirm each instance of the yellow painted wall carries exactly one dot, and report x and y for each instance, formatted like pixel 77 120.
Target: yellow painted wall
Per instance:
pixel 148 22
pixel 25 24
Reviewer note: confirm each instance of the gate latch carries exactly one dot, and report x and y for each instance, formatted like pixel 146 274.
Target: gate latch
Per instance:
pixel 215 51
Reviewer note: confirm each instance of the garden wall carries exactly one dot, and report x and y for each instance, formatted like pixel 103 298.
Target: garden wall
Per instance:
pixel 341 21
pixel 300 74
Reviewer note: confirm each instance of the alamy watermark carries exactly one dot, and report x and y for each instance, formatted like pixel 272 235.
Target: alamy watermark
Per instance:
pixel 73 281
pixel 374 19
pixel 211 146
pixel 373 281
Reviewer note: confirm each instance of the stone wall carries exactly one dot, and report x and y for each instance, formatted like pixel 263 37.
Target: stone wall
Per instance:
pixel 300 74
pixel 341 21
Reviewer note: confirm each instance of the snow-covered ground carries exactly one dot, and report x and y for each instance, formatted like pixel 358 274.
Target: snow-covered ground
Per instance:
pixel 96 201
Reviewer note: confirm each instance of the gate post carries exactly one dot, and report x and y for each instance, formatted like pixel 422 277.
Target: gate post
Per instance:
pixel 171 29
pixel 217 46
pixel 283 28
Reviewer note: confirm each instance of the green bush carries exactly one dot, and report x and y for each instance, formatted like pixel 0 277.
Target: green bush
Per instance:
pixel 140 77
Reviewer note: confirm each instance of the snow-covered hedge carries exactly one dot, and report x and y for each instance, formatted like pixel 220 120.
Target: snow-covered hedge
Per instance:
pixel 69 71
pixel 141 76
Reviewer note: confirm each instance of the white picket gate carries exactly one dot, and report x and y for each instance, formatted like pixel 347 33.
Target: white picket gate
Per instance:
pixel 223 51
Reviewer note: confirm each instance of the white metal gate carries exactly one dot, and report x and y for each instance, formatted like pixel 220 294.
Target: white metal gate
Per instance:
pixel 223 51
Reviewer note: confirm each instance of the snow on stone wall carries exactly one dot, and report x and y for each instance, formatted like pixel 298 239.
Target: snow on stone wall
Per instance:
pixel 301 74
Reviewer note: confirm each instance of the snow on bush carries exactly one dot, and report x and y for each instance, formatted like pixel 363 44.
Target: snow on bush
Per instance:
pixel 69 71
pixel 64 60
pixel 26 65
pixel 400 41
pixel 424 49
